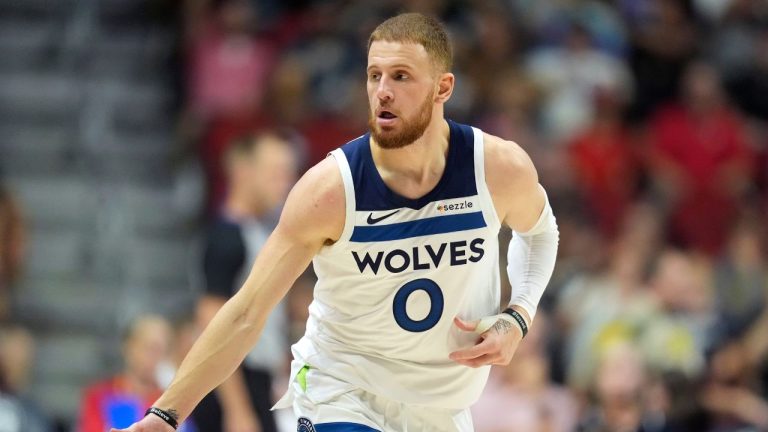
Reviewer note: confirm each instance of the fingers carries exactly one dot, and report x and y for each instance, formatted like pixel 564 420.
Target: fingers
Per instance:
pixel 483 360
pixel 487 346
pixel 467 326
pixel 494 347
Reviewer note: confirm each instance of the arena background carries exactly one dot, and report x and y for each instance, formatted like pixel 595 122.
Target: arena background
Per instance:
pixel 646 120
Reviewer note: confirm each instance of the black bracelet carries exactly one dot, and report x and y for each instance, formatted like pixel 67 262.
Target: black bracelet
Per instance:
pixel 519 318
pixel 163 415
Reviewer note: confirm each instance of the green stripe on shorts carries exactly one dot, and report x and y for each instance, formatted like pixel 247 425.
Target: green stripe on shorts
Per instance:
pixel 301 377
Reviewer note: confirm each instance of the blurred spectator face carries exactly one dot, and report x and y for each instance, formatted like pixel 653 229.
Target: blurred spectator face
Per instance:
pixel 619 383
pixel 265 174
pixel 701 87
pixel 236 16
pixel 578 39
pixel 627 262
pixel 584 245
pixel 401 88
pixel 744 247
pixel 642 227
pixel 669 12
pixel 513 92
pixel 17 351
pixel 288 91
pixel 146 346
pixel 496 37
pixel 608 101
pixel 739 280
pixel 620 374
pixel 274 171
pixel 677 283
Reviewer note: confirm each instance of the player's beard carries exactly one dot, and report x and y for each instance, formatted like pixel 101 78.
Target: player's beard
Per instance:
pixel 410 130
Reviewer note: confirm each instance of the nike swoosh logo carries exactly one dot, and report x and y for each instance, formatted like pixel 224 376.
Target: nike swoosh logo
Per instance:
pixel 372 220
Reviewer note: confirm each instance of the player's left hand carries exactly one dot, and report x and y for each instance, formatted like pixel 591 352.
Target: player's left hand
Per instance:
pixel 498 342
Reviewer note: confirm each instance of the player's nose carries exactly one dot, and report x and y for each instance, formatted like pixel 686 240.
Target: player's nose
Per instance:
pixel 384 91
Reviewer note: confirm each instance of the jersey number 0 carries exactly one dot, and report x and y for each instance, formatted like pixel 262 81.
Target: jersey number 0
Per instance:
pixel 436 305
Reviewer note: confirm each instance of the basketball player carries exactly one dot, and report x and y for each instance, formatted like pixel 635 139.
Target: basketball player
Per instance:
pixel 401 225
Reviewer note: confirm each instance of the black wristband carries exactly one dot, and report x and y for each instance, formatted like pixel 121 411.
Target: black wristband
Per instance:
pixel 519 318
pixel 163 415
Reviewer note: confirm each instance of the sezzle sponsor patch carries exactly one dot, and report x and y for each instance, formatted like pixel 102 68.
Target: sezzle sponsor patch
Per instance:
pixel 443 207
pixel 446 207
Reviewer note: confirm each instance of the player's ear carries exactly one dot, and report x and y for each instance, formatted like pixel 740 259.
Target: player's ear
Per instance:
pixel 445 82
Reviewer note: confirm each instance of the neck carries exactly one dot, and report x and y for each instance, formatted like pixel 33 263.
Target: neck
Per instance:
pixel 417 166
pixel 239 207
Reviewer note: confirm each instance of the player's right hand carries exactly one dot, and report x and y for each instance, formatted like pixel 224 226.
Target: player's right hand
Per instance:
pixel 499 339
pixel 150 423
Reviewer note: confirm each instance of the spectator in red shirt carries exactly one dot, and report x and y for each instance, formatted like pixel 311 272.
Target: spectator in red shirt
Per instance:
pixel 605 163
pixel 122 399
pixel 701 161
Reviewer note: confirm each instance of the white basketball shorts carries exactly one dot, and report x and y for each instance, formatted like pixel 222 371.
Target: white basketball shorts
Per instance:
pixel 323 403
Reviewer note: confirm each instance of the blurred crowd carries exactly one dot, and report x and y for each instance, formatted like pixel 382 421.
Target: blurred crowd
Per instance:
pixel 647 121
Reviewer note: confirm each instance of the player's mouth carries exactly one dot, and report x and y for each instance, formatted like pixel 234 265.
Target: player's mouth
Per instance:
pixel 385 118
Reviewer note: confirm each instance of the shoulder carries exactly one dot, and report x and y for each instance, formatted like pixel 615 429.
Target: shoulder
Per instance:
pixel 507 165
pixel 513 183
pixel 322 187
pixel 316 206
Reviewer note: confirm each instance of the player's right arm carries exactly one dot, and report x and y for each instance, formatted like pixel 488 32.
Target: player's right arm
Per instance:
pixel 312 217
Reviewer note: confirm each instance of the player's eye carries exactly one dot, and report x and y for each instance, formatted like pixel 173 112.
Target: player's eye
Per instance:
pixel 401 77
pixel 374 76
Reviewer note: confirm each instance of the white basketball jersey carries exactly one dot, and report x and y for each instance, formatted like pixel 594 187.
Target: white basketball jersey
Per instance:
pixel 389 288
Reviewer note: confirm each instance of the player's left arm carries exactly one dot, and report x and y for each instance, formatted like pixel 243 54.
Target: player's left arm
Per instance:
pixel 521 204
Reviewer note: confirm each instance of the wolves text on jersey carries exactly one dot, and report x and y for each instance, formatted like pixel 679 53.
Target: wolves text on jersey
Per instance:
pixel 423 257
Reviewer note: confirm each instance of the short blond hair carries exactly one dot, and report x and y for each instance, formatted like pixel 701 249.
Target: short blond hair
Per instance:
pixel 419 29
